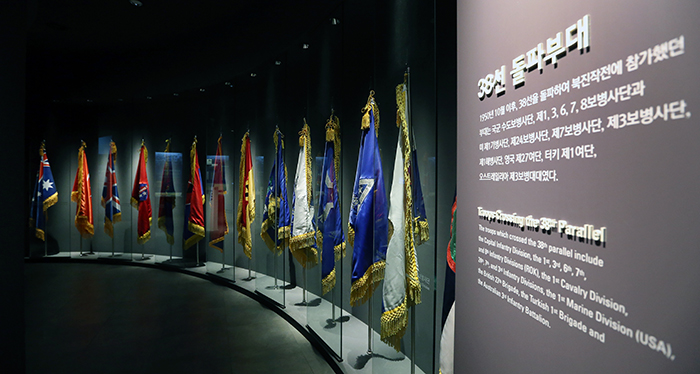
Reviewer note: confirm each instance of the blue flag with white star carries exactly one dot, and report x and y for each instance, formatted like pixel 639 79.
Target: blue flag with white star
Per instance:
pixel 368 223
pixel 45 195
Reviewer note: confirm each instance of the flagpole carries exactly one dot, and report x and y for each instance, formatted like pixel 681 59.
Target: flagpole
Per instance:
pixel 413 307
pixel 413 339
pixel 46 233
pixel 369 327
pixel 171 252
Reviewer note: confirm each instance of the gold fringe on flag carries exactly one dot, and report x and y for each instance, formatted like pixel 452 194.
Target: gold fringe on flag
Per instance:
pixel 362 289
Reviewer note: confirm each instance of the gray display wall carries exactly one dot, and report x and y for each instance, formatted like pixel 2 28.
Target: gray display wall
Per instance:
pixel 577 180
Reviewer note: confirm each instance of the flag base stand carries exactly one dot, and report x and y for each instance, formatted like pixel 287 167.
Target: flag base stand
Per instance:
pixel 142 258
pixel 274 286
pixel 113 255
pixel 223 264
pixel 304 302
pixel 196 261
pixel 250 274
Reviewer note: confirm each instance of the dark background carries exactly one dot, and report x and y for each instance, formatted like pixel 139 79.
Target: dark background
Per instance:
pixel 175 69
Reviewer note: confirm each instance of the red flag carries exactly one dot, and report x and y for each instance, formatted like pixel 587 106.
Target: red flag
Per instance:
pixel 218 203
pixel 194 203
pixel 82 195
pixel 140 197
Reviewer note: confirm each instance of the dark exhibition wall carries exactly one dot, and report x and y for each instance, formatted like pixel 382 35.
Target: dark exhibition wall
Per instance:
pixel 12 90
pixel 306 72
pixel 577 176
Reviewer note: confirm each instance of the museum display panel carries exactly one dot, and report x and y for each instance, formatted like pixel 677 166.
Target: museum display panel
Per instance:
pixel 179 152
pixel 577 156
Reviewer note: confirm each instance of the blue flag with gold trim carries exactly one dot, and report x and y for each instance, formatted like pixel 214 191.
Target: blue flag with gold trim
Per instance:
pixel 330 227
pixel 276 215
pixel 45 195
pixel 368 229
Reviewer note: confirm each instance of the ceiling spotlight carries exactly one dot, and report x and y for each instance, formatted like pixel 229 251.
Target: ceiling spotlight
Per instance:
pixel 148 97
pixel 305 46
pixel 227 83
pixel 335 21
pixel 176 94
pixel 136 2
pixel 201 90
pixel 253 75
pixel 278 63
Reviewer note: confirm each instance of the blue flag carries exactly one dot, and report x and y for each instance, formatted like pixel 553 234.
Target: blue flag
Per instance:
pixel 276 226
pixel 45 195
pixel 368 224
pixel 110 194
pixel 330 227
pixel 422 228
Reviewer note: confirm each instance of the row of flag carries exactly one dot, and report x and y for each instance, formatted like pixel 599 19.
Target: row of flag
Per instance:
pixel 46 195
pixel 383 232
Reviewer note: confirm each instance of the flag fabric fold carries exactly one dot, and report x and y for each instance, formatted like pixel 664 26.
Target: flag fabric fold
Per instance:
pixel 141 197
pixel 402 288
pixel 421 227
pixel 448 305
pixel 246 198
pixel 330 236
pixel 218 202
pixel 303 241
pixel 82 194
pixel 368 227
pixel 110 194
pixel 194 203
pixel 276 217
pixel 166 203
pixel 45 195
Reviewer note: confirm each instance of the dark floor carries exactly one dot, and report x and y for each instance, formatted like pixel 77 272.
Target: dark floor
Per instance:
pixel 96 318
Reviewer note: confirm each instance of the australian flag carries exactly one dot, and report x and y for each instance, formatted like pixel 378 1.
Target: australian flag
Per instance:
pixel 368 223
pixel 45 195
pixel 110 194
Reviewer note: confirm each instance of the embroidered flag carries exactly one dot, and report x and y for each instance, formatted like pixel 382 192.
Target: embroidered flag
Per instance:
pixel 110 194
pixel 218 202
pixel 141 197
pixel 330 234
pixel 276 219
pixel 402 288
pixel 194 203
pixel 448 305
pixel 45 195
pixel 82 194
pixel 303 241
pixel 368 223
pixel 246 197
pixel 167 198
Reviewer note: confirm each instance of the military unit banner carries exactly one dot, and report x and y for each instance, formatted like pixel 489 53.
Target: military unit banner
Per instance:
pixel 82 194
pixel 330 234
pixel 276 218
pixel 246 198
pixel 194 203
pixel 303 241
pixel 110 193
pixel 368 226
pixel 218 202
pixel 141 197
